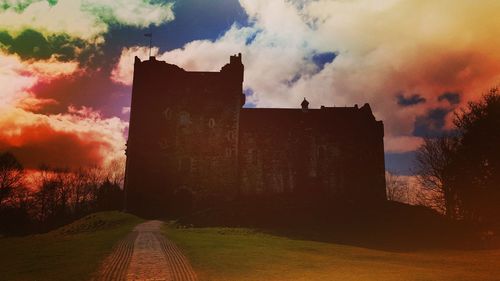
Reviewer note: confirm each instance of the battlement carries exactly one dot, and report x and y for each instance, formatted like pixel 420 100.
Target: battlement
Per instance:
pixel 236 59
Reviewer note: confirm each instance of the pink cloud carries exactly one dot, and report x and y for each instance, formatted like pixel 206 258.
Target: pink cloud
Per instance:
pixel 423 47
pixel 78 138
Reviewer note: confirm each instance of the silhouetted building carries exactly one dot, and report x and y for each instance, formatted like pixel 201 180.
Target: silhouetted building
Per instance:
pixel 190 140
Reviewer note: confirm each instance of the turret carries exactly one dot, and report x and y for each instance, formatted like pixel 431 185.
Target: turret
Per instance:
pixel 234 67
pixel 305 105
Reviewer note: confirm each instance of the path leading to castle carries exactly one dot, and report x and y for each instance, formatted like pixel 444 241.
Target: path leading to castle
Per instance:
pixel 146 255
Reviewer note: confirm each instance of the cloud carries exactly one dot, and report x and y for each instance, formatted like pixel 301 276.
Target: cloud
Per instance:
pixel 78 137
pixel 14 83
pixel 32 44
pixel 381 49
pixel 85 19
pixel 123 72
pixel 402 144
pixel 411 100
pixel 42 43
pixel 17 77
pixel 432 124
pixel 452 98
pixel 50 68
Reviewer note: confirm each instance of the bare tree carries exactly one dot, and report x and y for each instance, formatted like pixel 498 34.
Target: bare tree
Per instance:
pixel 397 188
pixel 115 172
pixel 434 163
pixel 11 175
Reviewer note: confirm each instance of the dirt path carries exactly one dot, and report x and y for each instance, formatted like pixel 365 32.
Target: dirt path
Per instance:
pixel 146 255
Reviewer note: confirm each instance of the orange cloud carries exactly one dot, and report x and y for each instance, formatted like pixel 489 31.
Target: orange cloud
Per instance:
pixel 78 138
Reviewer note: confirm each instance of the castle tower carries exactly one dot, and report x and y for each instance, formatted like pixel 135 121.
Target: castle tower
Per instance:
pixel 183 136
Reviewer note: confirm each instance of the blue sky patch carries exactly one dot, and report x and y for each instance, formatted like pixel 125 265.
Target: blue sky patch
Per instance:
pixel 320 59
pixel 248 92
pixel 400 163
pixel 194 20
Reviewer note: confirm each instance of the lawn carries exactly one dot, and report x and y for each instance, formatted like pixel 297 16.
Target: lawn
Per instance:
pixel 245 254
pixel 72 252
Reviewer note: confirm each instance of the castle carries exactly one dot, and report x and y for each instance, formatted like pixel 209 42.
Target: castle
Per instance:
pixel 190 140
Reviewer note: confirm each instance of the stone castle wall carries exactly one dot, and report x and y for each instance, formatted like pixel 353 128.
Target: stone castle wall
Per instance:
pixel 190 140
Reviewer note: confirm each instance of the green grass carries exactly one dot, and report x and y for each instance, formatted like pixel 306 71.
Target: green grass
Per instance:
pixel 72 252
pixel 243 254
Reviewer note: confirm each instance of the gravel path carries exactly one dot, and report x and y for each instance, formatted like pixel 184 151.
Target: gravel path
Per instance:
pixel 146 255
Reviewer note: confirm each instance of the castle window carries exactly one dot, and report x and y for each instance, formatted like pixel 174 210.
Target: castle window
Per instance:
pixel 184 118
pixel 164 144
pixel 167 113
pixel 229 152
pixel 231 135
pixel 252 156
pixel 211 123
pixel 194 165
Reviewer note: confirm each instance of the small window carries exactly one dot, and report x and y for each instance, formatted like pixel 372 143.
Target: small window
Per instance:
pixel 164 144
pixel 167 113
pixel 194 164
pixel 231 135
pixel 184 118
pixel 252 156
pixel 211 123
pixel 229 152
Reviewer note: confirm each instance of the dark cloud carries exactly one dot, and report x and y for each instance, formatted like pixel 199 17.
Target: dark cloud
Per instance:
pixel 400 163
pixel 31 44
pixel 432 124
pixel 411 100
pixel 43 145
pixel 451 97
pixel 20 6
pixel 93 88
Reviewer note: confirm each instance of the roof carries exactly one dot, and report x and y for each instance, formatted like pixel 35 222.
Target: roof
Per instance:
pixel 325 117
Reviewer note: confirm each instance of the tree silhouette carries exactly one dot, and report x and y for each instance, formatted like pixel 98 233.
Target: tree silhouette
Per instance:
pixel 109 196
pixel 477 163
pixel 433 164
pixel 465 168
pixel 11 175
pixel 397 188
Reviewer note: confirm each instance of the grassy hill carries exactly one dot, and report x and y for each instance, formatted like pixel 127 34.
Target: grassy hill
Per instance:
pixel 72 252
pixel 219 253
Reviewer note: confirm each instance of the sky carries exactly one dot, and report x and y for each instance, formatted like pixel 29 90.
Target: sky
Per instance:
pixel 66 66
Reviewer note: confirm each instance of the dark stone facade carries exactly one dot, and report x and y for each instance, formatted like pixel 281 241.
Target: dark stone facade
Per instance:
pixel 191 142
